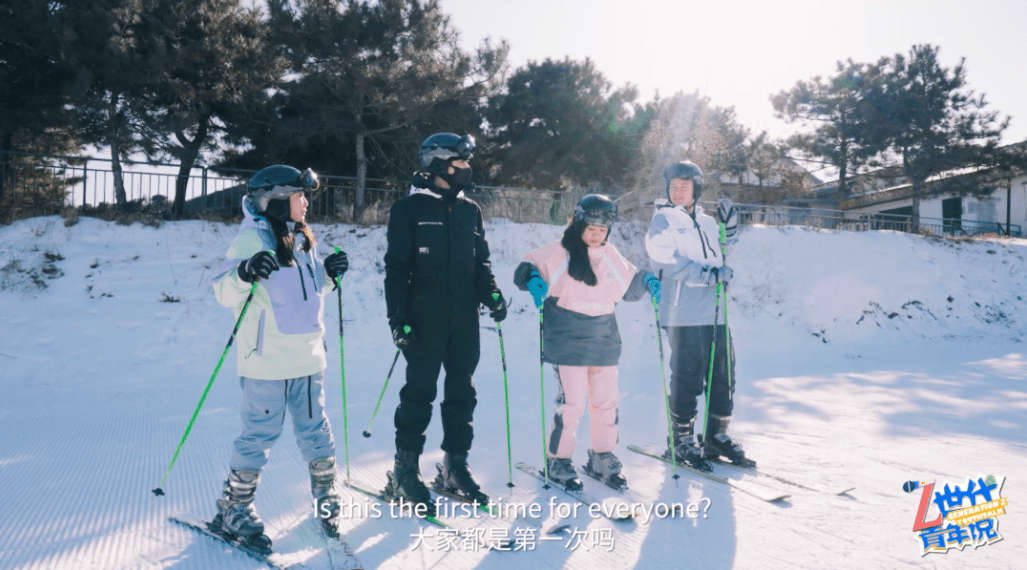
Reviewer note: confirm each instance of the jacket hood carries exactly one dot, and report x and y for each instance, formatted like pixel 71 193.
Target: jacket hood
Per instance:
pixel 665 203
pixel 251 219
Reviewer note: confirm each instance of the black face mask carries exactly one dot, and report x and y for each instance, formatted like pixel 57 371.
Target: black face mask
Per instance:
pixel 459 180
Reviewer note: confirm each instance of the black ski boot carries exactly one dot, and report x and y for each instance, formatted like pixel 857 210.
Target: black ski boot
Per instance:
pixel 720 443
pixel 322 487
pixel 606 467
pixel 405 482
pixel 561 470
pixel 686 450
pixel 455 477
pixel 236 516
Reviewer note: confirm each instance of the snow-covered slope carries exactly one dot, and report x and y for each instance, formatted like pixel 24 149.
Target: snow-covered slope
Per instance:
pixel 864 359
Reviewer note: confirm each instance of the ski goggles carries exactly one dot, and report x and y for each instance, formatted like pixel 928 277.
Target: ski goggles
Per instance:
pixel 309 180
pixel 463 149
pixel 603 219
pixel 308 183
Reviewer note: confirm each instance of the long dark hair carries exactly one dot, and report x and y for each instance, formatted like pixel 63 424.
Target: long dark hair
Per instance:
pixel 579 267
pixel 285 240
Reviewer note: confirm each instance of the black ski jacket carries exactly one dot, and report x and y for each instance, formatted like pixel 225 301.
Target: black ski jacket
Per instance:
pixel 437 256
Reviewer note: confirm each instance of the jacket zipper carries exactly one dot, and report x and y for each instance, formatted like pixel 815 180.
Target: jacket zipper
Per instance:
pixel 699 231
pixel 703 241
pixel 302 283
pixel 310 404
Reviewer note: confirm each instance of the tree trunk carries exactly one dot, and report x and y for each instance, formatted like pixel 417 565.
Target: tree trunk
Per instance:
pixel 191 150
pixel 1009 207
pixel 914 222
pixel 843 186
pixel 358 201
pixel 6 145
pixel 114 139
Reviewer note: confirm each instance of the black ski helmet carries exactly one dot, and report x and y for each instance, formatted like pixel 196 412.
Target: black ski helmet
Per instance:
pixel 685 170
pixel 438 149
pixel 279 182
pixel 596 210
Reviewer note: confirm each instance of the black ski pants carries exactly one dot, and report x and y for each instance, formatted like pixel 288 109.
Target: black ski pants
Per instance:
pixel 449 340
pixel 690 367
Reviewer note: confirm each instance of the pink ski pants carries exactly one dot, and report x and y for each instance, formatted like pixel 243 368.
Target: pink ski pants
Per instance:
pixel 598 386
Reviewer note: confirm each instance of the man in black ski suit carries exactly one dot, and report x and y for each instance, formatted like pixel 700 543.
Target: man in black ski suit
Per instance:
pixel 437 273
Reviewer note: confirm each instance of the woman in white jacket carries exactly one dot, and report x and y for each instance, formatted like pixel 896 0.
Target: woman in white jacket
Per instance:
pixel 584 277
pixel 683 246
pixel 280 345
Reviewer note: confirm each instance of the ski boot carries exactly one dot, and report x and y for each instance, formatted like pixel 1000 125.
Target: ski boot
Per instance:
pixel 686 451
pixel 405 482
pixel 236 516
pixel 561 470
pixel 720 443
pixel 326 502
pixel 605 467
pixel 455 477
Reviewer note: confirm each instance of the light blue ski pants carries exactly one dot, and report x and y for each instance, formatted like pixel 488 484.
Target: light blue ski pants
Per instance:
pixel 263 415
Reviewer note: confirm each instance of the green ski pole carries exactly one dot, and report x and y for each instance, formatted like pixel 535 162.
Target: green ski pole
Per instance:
pixel 506 399
pixel 367 432
pixel 342 367
pixel 159 491
pixel 709 378
pixel 727 326
pixel 542 384
pixel 666 396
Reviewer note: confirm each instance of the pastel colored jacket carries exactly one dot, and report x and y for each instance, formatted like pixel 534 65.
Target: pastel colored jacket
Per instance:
pixel 283 333
pixel 579 325
pixel 683 248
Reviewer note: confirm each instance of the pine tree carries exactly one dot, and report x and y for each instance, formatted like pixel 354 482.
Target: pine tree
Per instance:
pixel 935 123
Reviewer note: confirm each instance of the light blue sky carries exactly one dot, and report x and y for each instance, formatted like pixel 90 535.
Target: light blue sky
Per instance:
pixel 739 53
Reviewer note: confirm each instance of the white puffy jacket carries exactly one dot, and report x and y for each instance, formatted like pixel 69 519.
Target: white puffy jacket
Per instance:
pixel 683 248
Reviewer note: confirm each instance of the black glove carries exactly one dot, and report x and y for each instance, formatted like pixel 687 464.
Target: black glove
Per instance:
pixel 421 180
pixel 336 264
pixel 403 335
pixel 259 266
pixel 497 304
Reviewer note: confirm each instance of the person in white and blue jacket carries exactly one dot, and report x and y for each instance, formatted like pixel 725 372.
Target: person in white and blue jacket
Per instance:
pixel 280 343
pixel 684 249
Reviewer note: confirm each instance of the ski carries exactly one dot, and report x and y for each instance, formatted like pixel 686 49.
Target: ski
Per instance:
pixel 496 511
pixel 581 495
pixel 340 555
pixel 757 491
pixel 232 541
pixel 367 490
pixel 623 490
pixel 443 523
pixel 760 473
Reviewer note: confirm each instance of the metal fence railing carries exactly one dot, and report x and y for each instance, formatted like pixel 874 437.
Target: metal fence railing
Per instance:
pixel 865 221
pixel 35 185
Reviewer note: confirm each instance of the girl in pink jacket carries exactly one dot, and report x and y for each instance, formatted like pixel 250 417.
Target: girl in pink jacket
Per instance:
pixel 584 277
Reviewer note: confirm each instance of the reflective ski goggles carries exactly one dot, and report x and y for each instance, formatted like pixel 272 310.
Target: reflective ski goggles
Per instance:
pixel 602 218
pixel 309 180
pixel 463 149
